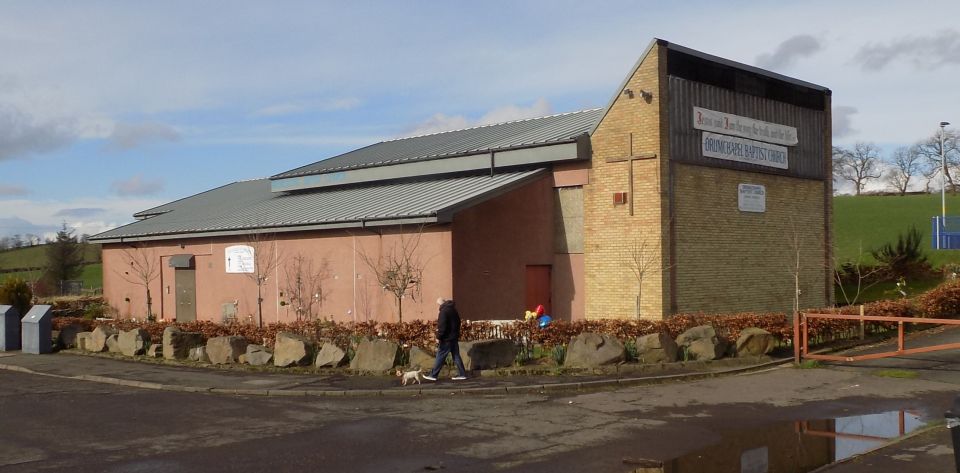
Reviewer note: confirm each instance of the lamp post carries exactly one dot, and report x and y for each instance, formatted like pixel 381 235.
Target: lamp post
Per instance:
pixel 943 177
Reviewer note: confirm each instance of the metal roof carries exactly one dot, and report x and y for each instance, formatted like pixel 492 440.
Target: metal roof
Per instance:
pixel 244 207
pixel 551 129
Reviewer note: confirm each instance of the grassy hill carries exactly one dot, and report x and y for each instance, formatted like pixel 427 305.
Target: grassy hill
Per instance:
pixel 870 221
pixel 36 256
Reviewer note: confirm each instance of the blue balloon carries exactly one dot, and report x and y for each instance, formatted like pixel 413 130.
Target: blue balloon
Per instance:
pixel 544 320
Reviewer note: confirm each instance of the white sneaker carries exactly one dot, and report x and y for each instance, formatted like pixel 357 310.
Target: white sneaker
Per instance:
pixel 458 378
pixel 429 378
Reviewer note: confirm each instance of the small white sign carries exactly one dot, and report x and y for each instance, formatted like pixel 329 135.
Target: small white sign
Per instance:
pixel 730 124
pixel 743 150
pixel 752 198
pixel 239 259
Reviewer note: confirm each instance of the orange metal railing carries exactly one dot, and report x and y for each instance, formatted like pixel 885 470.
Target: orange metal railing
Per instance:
pixel 801 336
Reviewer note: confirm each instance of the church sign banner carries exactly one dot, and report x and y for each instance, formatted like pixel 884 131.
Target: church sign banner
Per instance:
pixel 729 124
pixel 732 148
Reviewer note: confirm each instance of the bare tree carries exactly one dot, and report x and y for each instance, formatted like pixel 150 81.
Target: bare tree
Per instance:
pixel 904 165
pixel 305 285
pixel 795 265
pixel 643 258
pixel 399 268
pixel 266 258
pixel 142 266
pixel 929 149
pixel 853 271
pixel 857 165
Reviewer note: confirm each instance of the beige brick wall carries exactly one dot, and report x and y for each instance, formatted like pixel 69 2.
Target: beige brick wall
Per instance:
pixel 728 260
pixel 610 232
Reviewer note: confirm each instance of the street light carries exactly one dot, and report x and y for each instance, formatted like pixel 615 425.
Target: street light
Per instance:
pixel 943 177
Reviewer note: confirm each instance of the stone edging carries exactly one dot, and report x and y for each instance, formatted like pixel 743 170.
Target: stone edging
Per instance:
pixel 529 389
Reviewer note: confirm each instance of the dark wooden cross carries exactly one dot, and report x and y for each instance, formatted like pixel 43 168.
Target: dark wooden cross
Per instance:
pixel 629 159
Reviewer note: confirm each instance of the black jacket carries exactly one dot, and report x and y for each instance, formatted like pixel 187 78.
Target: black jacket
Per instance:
pixel 448 323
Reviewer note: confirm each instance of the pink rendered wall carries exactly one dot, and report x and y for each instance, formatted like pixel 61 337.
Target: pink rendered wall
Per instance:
pixel 353 291
pixel 493 243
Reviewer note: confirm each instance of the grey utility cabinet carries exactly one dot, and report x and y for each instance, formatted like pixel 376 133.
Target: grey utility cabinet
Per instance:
pixel 37 330
pixel 9 328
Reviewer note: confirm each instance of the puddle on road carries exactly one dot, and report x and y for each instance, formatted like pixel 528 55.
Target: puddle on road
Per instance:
pixel 791 447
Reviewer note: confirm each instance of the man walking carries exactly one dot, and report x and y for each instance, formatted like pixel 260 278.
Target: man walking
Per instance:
pixel 448 336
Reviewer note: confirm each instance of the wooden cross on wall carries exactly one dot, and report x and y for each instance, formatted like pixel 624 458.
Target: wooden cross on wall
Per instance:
pixel 629 159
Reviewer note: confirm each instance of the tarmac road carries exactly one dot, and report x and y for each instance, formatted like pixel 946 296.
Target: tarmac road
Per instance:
pixel 57 424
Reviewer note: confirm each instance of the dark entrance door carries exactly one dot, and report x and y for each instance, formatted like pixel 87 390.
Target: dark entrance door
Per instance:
pixel 538 287
pixel 185 281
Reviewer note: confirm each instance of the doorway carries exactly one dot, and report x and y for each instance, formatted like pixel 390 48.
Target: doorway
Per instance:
pixel 185 281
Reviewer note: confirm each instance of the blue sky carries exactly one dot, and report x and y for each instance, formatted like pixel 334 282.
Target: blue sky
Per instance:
pixel 107 108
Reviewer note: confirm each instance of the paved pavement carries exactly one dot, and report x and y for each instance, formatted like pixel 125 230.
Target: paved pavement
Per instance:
pixel 519 423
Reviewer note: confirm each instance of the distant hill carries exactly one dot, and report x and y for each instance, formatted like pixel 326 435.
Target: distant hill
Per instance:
pixel 24 263
pixel 872 220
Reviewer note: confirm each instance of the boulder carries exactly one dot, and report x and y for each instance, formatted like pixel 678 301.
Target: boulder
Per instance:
pixel 420 358
pixel 375 355
pixel 84 342
pixel 134 342
pixel 67 338
pixel 591 350
pixel 256 355
pixel 657 348
pixel 113 343
pixel 199 354
pixel 755 342
pixel 177 343
pixel 292 350
pixel 488 354
pixel 330 355
pixel 701 343
pixel 98 338
pixel 155 351
pixel 226 350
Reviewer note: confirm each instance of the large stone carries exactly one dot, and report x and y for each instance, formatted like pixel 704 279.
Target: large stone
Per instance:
pixel 134 342
pixel 657 348
pixel 701 343
pixel 330 355
pixel 292 350
pixel 420 358
pixel 84 341
pixel 591 350
pixel 67 338
pixel 226 350
pixel 256 355
pixel 376 356
pixel 199 354
pixel 755 342
pixel 488 354
pixel 177 343
pixel 113 343
pixel 98 338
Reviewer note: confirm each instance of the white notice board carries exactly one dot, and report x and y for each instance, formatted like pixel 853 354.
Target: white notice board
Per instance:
pixel 239 259
pixel 752 198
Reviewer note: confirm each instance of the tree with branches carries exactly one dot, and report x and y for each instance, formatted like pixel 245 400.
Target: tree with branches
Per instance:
pixel 306 285
pixel 643 257
pixel 858 165
pixel 929 149
pixel 399 268
pixel 141 267
pixel 904 165
pixel 266 258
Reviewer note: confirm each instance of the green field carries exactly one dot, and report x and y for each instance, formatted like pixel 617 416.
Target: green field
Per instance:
pixel 35 256
pixel 870 221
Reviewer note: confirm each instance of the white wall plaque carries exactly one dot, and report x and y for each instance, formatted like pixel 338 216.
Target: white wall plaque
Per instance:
pixel 752 198
pixel 742 150
pixel 730 124
pixel 239 259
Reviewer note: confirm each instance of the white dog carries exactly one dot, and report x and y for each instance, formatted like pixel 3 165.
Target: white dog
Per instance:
pixel 409 376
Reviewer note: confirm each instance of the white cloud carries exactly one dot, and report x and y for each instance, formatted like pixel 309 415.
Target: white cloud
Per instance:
pixel 842 121
pixel 790 51
pixel 136 185
pixel 22 134
pixel 928 52
pixel 297 108
pixel 44 217
pixel 441 122
pixel 130 135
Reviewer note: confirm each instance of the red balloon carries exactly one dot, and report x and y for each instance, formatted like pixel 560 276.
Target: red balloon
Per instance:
pixel 539 309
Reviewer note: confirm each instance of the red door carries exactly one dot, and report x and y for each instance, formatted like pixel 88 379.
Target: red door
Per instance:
pixel 538 287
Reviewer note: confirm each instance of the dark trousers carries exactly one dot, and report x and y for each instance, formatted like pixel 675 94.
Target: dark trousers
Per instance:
pixel 448 347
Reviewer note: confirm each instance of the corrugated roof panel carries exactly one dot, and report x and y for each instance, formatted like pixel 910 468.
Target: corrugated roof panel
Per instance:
pixel 251 205
pixel 543 130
